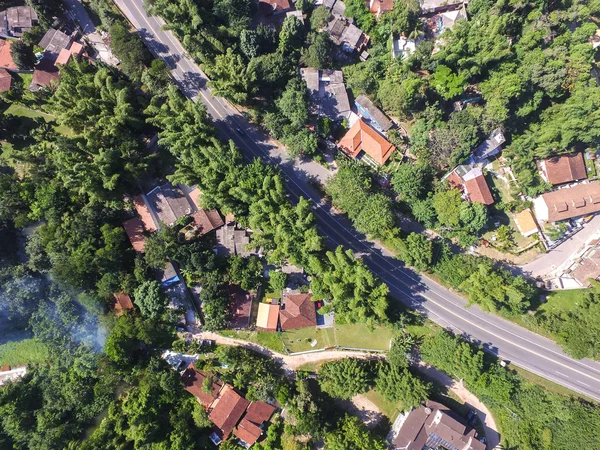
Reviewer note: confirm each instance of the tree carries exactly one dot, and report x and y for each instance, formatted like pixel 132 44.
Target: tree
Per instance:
pixel 446 83
pixel 293 103
pixel 419 252
pixel 150 300
pixel 345 378
pixel 130 50
pixel 401 99
pixel 277 280
pixel 352 434
pixel 318 54
pixel 397 384
pixel 291 36
pixel 157 78
pixel 231 78
pixel 22 55
pixel 247 272
pixel 412 181
pixel 447 205
pixel 319 17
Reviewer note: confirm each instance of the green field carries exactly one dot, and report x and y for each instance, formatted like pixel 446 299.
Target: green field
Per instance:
pixel 563 300
pixel 300 340
pixel 271 341
pixel 22 111
pixel 23 352
pixel 358 335
pixel 388 409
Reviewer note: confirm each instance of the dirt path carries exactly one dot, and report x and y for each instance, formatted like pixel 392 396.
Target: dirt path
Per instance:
pixel 289 362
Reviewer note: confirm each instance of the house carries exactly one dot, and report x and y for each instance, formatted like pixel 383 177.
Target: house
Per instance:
pixel 54 41
pixel 206 221
pixel 402 47
pixel 202 385
pixel 379 7
pixel 63 57
pixel 348 35
pixel 6 59
pixel 227 410
pixel 121 302
pixel 240 306
pixel 568 203
pixel 268 317
pixel 470 180
pixel 490 147
pixel 274 7
pixel 361 140
pixel 432 6
pixel 443 21
pixel 232 241
pixel 5 80
pixel 17 20
pixel 372 114
pixel 168 203
pixel 327 93
pixel 526 223
pixel 435 427
pixel 135 232
pixel 297 14
pixel 587 268
pixel 45 75
pixel 250 429
pixel 297 311
pixel 563 169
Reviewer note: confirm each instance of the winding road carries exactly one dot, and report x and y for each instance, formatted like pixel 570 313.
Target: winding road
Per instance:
pixel 498 336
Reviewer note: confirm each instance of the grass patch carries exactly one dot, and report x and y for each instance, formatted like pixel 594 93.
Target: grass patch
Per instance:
pixel 300 340
pixel 23 352
pixel 271 341
pixel 358 335
pixel 563 301
pixel 22 111
pixel 388 409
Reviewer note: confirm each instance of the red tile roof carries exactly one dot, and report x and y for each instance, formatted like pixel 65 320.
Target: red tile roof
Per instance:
pixel 5 81
pixel 269 7
pixel 565 168
pixel 362 138
pixel 46 73
pixel 259 412
pixel 193 382
pixel 575 201
pixel 248 432
pixel 478 190
pixel 144 213
pixel 380 6
pixel 122 302
pixel 299 312
pixel 76 48
pixel 6 60
pixel 63 57
pixel 227 410
pixel 135 232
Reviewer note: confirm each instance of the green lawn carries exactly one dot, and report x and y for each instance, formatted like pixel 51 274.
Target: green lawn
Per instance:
pixel 563 300
pixel 22 111
pixel 388 409
pixel 269 340
pixel 358 335
pixel 299 340
pixel 23 352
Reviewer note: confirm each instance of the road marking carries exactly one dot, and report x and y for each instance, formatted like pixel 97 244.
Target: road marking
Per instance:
pixel 372 260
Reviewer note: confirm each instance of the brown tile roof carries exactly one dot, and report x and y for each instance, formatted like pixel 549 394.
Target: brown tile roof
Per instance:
pixel 135 232
pixel 5 81
pixel 46 73
pixel 298 312
pixel 121 302
pixel 586 269
pixel 207 220
pixel 248 432
pixel 144 213
pixel 575 201
pixel 381 6
pixel 6 60
pixel 259 412
pixel 240 306
pixel 362 138
pixel 227 410
pixel 193 382
pixel 195 197
pixel 565 168
pixel 269 7
pixel 478 190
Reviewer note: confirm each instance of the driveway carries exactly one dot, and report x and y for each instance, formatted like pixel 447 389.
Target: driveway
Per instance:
pixel 553 262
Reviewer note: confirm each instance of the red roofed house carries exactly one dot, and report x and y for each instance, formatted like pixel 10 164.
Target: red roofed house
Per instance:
pixel 207 221
pixel 297 311
pixel 250 429
pixel 63 57
pixel 5 81
pixel 227 410
pixel 45 75
pixel 471 181
pixel 194 381
pixel 121 302
pixel 563 169
pixel 135 232
pixel 361 139
pixel 378 7
pixel 144 213
pixel 6 60
pixel 274 7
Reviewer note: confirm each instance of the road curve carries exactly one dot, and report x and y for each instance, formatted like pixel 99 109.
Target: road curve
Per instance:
pixel 501 337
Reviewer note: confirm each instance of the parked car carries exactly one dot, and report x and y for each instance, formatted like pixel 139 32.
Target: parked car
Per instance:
pixel 240 131
pixel 472 417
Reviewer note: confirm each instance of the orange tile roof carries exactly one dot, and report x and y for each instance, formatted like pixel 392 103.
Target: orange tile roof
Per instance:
pixel 362 138
pixel 259 412
pixel 193 382
pixel 478 190
pixel 207 220
pixel 195 197
pixel 76 48
pixel 526 222
pixel 63 57
pixel 135 233
pixel 247 432
pixel 227 411
pixel 381 6
pixel 144 213
pixel 6 60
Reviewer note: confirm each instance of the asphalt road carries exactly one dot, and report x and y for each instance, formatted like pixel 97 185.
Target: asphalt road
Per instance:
pixel 505 339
